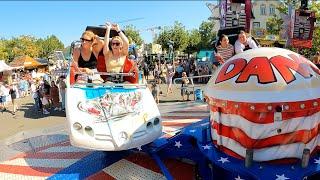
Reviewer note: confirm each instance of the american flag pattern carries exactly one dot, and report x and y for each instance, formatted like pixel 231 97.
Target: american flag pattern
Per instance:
pixel 49 160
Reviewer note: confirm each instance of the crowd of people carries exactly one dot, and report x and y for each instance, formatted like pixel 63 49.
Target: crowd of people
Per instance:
pixel 111 56
pixel 46 94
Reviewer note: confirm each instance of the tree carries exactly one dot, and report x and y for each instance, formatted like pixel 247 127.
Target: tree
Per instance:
pixel 22 45
pixel 177 34
pixel 274 25
pixel 284 4
pixel 164 37
pixel 49 45
pixel 207 34
pixel 193 42
pixel 3 51
pixel 133 34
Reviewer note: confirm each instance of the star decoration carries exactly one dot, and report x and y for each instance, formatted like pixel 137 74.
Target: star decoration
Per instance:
pixel 238 178
pixel 192 130
pixel 178 144
pixel 204 124
pixel 223 160
pixel 317 161
pixel 139 148
pixel 206 146
pixel 282 177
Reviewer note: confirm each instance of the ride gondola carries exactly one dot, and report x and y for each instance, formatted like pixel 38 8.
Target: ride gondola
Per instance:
pixel 110 116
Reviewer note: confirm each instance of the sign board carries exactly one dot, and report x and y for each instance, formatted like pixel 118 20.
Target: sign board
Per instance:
pixel 303 28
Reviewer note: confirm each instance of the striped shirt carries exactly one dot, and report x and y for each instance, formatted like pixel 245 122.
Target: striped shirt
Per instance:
pixel 225 53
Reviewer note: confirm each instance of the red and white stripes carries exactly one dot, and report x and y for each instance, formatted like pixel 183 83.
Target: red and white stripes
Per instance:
pixel 42 163
pixel 238 130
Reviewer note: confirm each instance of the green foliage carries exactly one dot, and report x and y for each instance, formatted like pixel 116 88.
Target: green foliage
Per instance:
pixel 207 34
pixel 283 7
pixel 29 45
pixel 49 45
pixel 133 34
pixel 187 41
pixel 178 34
pixel 164 37
pixel 3 51
pixel 22 45
pixel 194 40
pixel 274 25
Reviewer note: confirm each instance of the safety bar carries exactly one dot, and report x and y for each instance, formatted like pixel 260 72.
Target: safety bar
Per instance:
pixel 110 85
pixel 107 74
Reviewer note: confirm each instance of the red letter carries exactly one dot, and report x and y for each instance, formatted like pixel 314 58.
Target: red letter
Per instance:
pixel 260 67
pixel 223 75
pixel 282 64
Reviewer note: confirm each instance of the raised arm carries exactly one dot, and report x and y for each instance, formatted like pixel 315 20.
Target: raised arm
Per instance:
pixel 125 40
pixel 106 49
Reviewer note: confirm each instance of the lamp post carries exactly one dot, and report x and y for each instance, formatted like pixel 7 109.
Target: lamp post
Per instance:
pixel 171 52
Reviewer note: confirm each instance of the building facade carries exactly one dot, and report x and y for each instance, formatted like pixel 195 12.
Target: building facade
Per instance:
pixel 262 10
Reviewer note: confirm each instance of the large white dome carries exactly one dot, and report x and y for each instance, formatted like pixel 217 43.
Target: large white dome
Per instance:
pixel 265 75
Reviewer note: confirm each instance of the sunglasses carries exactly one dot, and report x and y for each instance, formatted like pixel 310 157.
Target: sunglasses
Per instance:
pixel 116 44
pixel 85 40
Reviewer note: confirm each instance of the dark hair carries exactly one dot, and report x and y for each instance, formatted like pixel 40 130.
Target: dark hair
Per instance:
pixel 242 32
pixel 222 36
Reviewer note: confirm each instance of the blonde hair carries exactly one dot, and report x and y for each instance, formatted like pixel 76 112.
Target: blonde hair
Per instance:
pixel 88 33
pixel 117 38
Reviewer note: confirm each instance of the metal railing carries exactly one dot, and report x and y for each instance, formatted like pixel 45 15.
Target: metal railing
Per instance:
pixel 193 86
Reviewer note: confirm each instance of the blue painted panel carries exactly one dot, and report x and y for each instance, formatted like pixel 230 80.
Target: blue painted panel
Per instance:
pixel 92 93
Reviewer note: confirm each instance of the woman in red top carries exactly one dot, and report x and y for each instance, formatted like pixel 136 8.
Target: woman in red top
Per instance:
pixel 116 57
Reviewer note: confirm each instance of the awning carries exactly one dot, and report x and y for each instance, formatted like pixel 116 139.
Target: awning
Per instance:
pixel 4 66
pixel 26 61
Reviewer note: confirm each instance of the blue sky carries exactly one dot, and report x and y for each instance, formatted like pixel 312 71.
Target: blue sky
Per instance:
pixel 68 19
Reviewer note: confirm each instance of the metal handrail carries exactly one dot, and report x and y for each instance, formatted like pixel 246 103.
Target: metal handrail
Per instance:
pixel 192 84
pixel 191 78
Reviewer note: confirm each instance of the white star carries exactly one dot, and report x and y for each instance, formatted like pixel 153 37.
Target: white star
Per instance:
pixel 206 147
pixel 238 178
pixel 192 130
pixel 204 124
pixel 139 148
pixel 282 177
pixel 317 161
pixel 223 160
pixel 178 144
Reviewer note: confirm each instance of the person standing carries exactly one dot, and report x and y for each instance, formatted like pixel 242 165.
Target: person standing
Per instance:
pixel 184 86
pixel 35 96
pixel 170 73
pixel 13 93
pixel 62 90
pixel 54 95
pixel 46 97
pixel 2 96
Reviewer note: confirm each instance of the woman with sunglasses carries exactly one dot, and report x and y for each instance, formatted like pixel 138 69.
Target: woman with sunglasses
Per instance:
pixel 116 54
pixel 85 57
